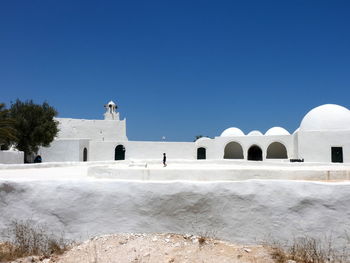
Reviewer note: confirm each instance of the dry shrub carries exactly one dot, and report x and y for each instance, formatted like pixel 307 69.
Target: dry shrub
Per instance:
pixel 201 240
pixel 25 238
pixel 279 254
pixel 310 250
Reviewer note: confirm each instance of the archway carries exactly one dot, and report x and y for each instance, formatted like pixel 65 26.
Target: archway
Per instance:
pixel 85 155
pixel 233 150
pixel 276 150
pixel 201 153
pixel 255 153
pixel 119 153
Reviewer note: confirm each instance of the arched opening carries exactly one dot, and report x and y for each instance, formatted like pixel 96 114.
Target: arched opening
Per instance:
pixel 119 153
pixel 276 150
pixel 201 153
pixel 233 150
pixel 255 153
pixel 85 155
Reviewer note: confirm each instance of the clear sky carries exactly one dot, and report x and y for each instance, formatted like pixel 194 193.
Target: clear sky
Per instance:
pixel 178 68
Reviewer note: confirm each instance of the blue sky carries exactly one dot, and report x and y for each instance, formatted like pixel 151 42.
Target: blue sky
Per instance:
pixel 178 68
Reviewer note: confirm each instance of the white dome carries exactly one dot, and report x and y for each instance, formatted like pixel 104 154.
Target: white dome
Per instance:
pixel 277 131
pixel 202 139
pixel 230 132
pixel 326 117
pixel 255 133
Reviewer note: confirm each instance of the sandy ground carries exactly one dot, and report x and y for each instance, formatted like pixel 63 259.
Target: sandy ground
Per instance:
pixel 157 248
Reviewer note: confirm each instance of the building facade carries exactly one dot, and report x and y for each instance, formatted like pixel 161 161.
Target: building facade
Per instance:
pixel 323 136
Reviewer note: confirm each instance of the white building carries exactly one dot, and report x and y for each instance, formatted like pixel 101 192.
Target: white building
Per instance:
pixel 323 136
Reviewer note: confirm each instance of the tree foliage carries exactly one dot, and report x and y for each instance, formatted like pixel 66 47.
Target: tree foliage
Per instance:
pixel 34 124
pixel 7 131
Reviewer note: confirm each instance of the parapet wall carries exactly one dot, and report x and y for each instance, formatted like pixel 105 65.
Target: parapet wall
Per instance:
pixel 246 212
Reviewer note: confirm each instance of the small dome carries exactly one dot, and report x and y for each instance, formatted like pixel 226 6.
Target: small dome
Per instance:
pixel 277 131
pixel 202 139
pixel 326 117
pixel 111 103
pixel 231 132
pixel 255 133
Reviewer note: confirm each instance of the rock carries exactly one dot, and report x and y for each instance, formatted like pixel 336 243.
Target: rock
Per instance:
pixel 247 250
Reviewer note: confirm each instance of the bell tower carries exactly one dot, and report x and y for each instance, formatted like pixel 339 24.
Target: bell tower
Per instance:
pixel 111 113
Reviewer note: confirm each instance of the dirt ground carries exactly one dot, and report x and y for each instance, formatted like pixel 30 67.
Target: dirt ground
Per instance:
pixel 157 248
pixel 165 248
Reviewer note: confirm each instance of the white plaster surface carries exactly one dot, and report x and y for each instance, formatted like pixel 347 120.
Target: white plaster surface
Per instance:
pixel 316 146
pixel 255 133
pixel 321 129
pixel 276 131
pixel 216 151
pixel 328 117
pixel 8 157
pixel 100 130
pixel 233 131
pixel 64 150
pixel 242 211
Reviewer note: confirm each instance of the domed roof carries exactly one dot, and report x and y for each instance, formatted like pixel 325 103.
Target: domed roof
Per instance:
pixel 277 131
pixel 326 117
pixel 230 132
pixel 255 133
pixel 202 139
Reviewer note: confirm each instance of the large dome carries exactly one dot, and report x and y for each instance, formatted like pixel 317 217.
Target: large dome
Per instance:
pixel 230 132
pixel 277 131
pixel 326 117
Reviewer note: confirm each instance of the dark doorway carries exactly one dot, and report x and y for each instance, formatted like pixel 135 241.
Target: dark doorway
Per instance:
pixel 255 153
pixel 85 155
pixel 201 153
pixel 337 154
pixel 233 150
pixel 276 150
pixel 119 153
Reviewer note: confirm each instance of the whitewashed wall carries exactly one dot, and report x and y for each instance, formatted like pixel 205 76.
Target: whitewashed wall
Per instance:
pixel 155 150
pixel 215 147
pixel 243 212
pixel 11 157
pixel 104 151
pixel 316 146
pixel 101 130
pixel 64 151
pixel 312 146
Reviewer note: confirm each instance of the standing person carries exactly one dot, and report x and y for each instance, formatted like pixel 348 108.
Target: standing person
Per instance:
pixel 164 160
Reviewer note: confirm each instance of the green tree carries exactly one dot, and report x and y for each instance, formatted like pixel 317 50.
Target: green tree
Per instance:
pixel 7 131
pixel 35 126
